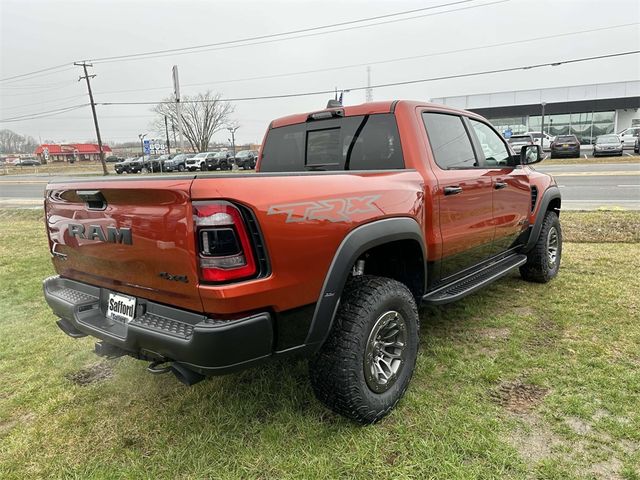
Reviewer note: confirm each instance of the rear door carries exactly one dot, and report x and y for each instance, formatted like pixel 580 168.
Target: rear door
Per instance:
pixel 130 236
pixel 511 189
pixel 465 194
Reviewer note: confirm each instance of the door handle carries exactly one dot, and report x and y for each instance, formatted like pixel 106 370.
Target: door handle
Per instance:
pixel 500 185
pixel 452 190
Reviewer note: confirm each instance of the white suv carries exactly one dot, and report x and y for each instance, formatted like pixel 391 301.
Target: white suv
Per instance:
pixel 197 162
pixel 628 136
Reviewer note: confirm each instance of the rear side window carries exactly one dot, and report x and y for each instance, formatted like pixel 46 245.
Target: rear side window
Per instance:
pixel 368 142
pixel 449 141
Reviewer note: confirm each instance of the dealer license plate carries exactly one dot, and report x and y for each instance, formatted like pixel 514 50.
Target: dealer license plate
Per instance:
pixel 121 307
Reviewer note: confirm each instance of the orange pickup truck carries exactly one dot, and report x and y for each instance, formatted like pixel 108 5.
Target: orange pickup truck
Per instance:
pixel 355 217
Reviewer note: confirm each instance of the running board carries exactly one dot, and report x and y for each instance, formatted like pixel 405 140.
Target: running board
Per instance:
pixel 474 281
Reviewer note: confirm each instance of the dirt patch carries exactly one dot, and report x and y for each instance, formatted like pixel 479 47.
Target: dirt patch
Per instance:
pixel 92 374
pixel 7 425
pixel 524 311
pixel 493 333
pixel 578 426
pixel 609 469
pixel 534 440
pixel 601 226
pixel 517 396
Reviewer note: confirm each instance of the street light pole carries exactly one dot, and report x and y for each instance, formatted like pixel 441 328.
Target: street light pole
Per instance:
pixel 141 137
pixel 233 138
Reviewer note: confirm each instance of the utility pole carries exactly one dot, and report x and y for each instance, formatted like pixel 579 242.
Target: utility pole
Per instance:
pixel 369 90
pixel 542 126
pixel 84 65
pixel 166 132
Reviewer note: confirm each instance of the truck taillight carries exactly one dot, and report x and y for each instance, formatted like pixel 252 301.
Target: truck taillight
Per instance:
pixel 224 249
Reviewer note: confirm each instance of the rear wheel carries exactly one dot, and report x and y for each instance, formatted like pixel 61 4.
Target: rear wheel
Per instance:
pixel 543 261
pixel 181 168
pixel 366 363
pixel 146 170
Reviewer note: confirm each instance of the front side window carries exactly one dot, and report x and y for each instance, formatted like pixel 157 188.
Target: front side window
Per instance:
pixel 494 150
pixel 449 141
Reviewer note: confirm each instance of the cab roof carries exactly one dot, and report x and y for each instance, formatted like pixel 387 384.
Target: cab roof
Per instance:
pixel 386 106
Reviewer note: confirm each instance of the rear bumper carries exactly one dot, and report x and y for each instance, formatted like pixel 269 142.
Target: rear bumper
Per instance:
pixel 202 343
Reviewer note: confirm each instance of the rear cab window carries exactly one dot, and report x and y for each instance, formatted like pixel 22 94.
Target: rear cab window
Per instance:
pixel 364 142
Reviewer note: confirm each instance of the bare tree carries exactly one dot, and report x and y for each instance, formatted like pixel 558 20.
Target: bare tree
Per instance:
pixel 202 115
pixel 12 142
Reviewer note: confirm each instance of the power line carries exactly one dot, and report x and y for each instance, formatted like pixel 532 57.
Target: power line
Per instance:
pixel 378 62
pixel 391 84
pixel 34 74
pixel 307 35
pixel 229 43
pixel 46 101
pixel 273 35
pixel 48 113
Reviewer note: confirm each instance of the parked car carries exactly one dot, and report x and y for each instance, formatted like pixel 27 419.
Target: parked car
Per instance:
pixel 628 136
pixel 128 165
pixel 208 275
pixel 607 145
pixel 246 159
pixel 519 141
pixel 155 163
pixel 113 159
pixel 636 147
pixel 546 142
pixel 197 162
pixel 221 160
pixel 177 163
pixel 29 162
pixel 565 146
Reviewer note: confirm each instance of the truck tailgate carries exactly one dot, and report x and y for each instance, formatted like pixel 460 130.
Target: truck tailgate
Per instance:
pixel 133 236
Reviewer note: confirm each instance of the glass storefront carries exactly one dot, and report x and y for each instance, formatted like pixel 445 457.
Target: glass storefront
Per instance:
pixel 584 125
pixel 516 124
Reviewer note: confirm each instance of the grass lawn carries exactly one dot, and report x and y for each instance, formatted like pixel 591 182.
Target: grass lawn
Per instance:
pixel 518 381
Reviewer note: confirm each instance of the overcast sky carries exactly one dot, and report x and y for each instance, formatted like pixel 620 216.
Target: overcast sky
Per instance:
pixel 39 34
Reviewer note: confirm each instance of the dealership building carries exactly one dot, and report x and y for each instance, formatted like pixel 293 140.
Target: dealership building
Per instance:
pixel 584 110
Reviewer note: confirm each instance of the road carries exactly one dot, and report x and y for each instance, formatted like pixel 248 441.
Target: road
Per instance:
pixel 583 186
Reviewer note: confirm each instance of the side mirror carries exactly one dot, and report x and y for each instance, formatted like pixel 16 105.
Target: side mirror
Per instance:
pixel 530 154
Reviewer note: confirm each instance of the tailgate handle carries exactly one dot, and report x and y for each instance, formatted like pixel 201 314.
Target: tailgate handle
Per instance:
pixel 93 198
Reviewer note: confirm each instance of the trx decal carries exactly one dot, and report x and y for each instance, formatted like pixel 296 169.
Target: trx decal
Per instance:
pixel 333 209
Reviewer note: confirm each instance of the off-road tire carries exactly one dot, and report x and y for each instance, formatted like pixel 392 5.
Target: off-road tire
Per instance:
pixel 539 267
pixel 337 371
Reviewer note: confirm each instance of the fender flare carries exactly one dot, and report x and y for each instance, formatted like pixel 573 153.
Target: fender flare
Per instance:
pixel 357 242
pixel 549 194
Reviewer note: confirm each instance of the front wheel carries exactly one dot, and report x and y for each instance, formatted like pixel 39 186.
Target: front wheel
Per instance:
pixel 146 170
pixel 366 363
pixel 543 261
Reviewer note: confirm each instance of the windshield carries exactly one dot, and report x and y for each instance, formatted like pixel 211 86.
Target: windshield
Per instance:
pixel 566 138
pixel 608 139
pixel 243 153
